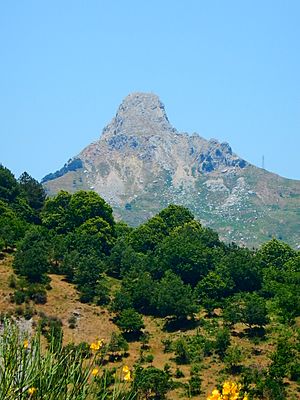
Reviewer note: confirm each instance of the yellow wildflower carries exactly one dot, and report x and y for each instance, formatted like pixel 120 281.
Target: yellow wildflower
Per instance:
pixel 126 368
pixel 25 344
pixel 231 390
pixel 127 376
pixel 215 395
pixel 32 390
pixel 95 371
pixel 95 346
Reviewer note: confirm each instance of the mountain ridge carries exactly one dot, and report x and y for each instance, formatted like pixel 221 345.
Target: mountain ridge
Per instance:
pixel 141 163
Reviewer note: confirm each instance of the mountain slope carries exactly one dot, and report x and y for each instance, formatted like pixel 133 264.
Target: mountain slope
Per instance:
pixel 141 163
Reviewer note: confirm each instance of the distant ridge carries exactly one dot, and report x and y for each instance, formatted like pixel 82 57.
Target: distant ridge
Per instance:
pixel 141 163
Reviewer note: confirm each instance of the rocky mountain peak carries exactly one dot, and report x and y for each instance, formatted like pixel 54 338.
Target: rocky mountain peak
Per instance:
pixel 140 114
pixel 141 164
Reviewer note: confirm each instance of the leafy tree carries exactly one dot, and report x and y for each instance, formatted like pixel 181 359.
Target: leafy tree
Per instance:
pixel 233 358
pixel 122 301
pixel 99 234
pixel 212 289
pixel 151 382
pixel 31 259
pixel 139 287
pixel 65 212
pixel 222 342
pixel 287 301
pixel 12 229
pixel 122 230
pixel 249 308
pixel 85 205
pixel 9 188
pixel 275 253
pixel 102 292
pixel 32 190
pixel 243 268
pixel 147 236
pixel 130 321
pixel 55 212
pixel 194 383
pixel 232 311
pixel 174 216
pixel 190 251
pixel 172 297
pixel 182 351
pixel 86 275
pixel 282 358
pixel 117 344
pixel 254 311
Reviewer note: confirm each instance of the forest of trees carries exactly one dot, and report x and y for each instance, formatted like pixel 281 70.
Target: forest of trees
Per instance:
pixel 170 267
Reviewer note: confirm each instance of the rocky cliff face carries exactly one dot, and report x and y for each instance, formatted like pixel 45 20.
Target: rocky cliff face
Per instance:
pixel 141 163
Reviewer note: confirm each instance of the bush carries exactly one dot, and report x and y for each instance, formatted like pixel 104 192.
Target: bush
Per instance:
pixel 130 321
pixel 195 385
pixel 151 382
pixel 19 297
pixel 222 342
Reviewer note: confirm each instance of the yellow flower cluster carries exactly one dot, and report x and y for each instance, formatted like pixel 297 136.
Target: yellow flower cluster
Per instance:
pixel 25 344
pixel 95 371
pixel 31 391
pixel 127 376
pixel 230 391
pixel 96 346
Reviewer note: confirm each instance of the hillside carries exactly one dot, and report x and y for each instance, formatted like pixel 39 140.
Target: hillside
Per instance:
pixel 140 164
pixel 182 311
pixel 94 322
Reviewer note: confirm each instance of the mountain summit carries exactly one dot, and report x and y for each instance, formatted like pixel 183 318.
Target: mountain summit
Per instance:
pixel 140 114
pixel 141 164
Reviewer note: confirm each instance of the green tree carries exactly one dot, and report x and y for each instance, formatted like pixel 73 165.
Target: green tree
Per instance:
pixel 172 297
pixel 12 229
pixel 130 321
pixel 85 205
pixel 254 310
pixel 243 268
pixel 87 273
pixel 212 289
pixel 32 191
pixel 148 235
pixel 117 344
pixel 99 234
pixel 55 212
pixel 32 256
pixel 233 358
pixel 102 291
pixel 190 251
pixel 174 216
pixel 9 188
pixel 139 287
pixel 65 212
pixel 222 342
pixel 275 253
pixel 151 383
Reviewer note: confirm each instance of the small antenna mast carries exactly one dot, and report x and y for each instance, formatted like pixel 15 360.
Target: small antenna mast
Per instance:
pixel 263 162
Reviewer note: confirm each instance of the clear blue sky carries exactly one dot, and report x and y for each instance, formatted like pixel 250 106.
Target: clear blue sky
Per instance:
pixel 226 69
